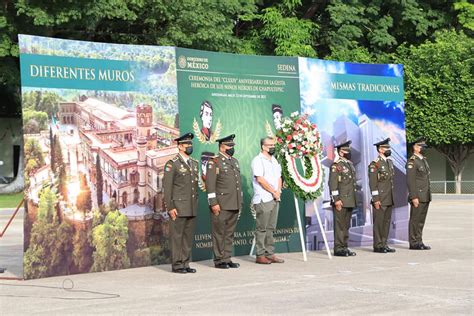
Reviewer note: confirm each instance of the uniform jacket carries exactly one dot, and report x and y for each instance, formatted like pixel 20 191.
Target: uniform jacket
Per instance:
pixel 223 182
pixel 180 186
pixel 418 179
pixel 342 182
pixel 381 174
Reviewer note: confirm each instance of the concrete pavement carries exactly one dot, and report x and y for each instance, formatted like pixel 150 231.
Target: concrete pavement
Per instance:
pixel 435 282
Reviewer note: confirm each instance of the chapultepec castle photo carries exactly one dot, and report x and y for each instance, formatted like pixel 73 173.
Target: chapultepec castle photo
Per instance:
pixel 130 148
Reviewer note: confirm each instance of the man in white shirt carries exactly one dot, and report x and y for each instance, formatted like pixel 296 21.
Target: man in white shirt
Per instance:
pixel 267 185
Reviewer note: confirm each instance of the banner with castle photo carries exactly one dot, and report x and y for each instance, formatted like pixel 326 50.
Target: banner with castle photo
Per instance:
pixel 98 121
pixel 222 94
pixel 362 103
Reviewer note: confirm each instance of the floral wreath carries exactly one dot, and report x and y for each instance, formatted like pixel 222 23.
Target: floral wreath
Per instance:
pixel 297 139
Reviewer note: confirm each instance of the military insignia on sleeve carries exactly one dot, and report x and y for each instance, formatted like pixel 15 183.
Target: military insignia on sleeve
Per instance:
pixel 168 167
pixel 333 168
pixel 410 166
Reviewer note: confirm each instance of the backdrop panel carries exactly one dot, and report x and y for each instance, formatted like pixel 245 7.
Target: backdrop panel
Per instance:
pixel 94 196
pixel 91 190
pixel 222 94
pixel 363 103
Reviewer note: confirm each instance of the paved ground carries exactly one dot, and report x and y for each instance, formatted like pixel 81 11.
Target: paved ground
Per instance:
pixel 436 282
pixel 11 244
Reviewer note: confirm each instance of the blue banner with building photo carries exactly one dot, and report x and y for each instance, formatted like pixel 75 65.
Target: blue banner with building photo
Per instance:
pixel 362 103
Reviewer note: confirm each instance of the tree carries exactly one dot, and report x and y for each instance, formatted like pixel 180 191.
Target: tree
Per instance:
pixel 33 157
pixel 278 28
pixel 50 246
pixel 84 200
pixel 47 206
pixel 465 14
pixel 99 186
pixel 439 81
pixel 59 167
pixel 33 151
pixel 51 147
pixel 82 253
pixel 110 242
pixel 176 121
pixel 38 117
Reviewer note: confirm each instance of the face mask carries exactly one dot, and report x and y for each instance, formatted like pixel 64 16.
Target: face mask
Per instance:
pixel 230 151
pixel 271 151
pixel 189 150
pixel 423 149
pixel 387 153
pixel 347 156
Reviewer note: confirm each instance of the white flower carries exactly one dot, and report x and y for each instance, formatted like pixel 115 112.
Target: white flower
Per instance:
pixel 294 114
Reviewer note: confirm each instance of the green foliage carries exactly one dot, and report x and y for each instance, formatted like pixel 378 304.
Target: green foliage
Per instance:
pixel 33 262
pixel 439 81
pixel 97 217
pixel 10 200
pixel 465 13
pixel 51 246
pixel 160 254
pixel 40 101
pixel 82 253
pixel 357 54
pixel 34 121
pixel 141 257
pixel 110 242
pixel 47 206
pixel 289 35
pixel 33 157
pixel 59 167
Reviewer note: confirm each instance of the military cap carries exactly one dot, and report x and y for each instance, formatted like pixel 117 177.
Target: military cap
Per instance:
pixel 344 146
pixel 383 143
pixel 276 108
pixel 228 140
pixel 419 141
pixel 185 139
pixel 206 155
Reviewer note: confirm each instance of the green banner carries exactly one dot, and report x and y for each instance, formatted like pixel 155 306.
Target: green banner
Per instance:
pixel 222 94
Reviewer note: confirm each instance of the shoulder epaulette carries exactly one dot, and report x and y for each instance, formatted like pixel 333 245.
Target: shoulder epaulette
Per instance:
pixel 175 158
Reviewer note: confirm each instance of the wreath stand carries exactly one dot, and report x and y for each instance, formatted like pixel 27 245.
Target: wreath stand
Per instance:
pixel 300 228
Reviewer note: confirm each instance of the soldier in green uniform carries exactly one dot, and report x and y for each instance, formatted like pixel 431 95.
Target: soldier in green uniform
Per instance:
pixel 180 188
pixel 381 175
pixel 224 192
pixel 419 194
pixel 342 185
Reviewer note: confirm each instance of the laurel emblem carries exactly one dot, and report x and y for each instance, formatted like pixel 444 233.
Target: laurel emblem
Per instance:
pixel 269 130
pixel 182 61
pixel 202 138
pixel 202 183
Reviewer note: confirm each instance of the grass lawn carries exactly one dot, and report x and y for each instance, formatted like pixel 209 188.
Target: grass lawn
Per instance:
pixel 10 200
